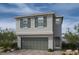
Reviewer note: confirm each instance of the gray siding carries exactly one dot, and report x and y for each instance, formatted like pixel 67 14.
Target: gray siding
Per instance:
pixel 57 29
pixel 57 33
pixel 50 30
pixel 33 30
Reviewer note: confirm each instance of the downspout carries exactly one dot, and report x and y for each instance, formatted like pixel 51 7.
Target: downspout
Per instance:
pixel 53 29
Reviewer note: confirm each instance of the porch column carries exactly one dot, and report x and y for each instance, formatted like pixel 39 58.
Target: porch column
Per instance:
pixel 50 42
pixel 19 41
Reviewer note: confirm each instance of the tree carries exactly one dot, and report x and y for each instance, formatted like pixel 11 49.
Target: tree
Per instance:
pixel 7 39
pixel 77 29
pixel 71 37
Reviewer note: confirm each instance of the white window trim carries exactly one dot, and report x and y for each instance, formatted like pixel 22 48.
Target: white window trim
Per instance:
pixel 24 19
pixel 41 18
pixel 57 20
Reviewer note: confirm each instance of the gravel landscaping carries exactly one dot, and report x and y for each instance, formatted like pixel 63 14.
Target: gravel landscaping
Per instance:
pixel 31 52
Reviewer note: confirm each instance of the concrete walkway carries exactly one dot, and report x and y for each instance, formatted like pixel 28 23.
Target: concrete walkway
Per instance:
pixel 32 52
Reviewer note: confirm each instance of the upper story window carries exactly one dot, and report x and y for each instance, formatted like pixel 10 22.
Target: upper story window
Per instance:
pixel 41 21
pixel 58 20
pixel 25 23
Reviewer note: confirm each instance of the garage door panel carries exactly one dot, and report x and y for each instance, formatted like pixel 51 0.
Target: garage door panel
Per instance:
pixel 35 43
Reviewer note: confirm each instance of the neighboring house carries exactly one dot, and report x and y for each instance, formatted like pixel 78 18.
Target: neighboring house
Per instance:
pixel 39 31
pixel 7 30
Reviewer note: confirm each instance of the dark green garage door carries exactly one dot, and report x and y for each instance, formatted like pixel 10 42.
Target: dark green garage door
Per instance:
pixel 35 43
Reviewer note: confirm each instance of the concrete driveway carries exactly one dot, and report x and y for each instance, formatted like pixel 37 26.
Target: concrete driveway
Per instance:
pixel 32 52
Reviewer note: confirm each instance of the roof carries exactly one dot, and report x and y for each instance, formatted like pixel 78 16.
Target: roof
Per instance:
pixel 38 14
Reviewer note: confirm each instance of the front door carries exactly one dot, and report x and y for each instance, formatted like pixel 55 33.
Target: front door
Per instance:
pixel 57 43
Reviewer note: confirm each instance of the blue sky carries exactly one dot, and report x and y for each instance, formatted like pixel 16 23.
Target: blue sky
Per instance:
pixel 8 12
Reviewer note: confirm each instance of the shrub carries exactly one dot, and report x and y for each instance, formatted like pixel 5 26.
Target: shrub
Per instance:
pixel 75 53
pixel 17 48
pixel 5 44
pixel 68 46
pixel 7 40
pixel 64 45
pixel 6 49
pixel 63 54
pixel 50 50
pixel 14 45
pixel 70 54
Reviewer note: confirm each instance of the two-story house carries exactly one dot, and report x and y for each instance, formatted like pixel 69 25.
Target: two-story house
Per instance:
pixel 39 31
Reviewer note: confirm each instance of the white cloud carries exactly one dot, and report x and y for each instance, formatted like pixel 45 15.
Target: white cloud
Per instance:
pixel 22 9
pixel 68 24
pixel 5 25
pixel 8 24
pixel 25 9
